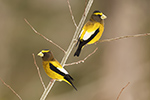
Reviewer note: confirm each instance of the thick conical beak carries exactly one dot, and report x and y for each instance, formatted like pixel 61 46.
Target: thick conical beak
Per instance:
pixel 103 17
pixel 40 54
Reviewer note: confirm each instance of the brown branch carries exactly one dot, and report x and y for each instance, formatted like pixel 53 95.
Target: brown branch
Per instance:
pixel 38 71
pixel 44 36
pixel 122 90
pixel 82 61
pixel 71 14
pixel 124 37
pixel 11 89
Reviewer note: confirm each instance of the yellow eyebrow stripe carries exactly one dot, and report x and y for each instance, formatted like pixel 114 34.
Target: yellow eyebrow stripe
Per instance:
pixel 98 13
pixel 45 51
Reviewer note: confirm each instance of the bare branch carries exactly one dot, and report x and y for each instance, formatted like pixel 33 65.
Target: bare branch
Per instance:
pixel 11 89
pixel 44 37
pixel 47 90
pixel 82 61
pixel 85 6
pixel 38 71
pixel 71 14
pixel 90 2
pixel 77 32
pixel 122 90
pixel 124 37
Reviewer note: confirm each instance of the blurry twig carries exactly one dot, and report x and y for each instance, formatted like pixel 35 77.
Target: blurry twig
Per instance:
pixel 38 71
pixel 11 89
pixel 122 90
pixel 81 61
pixel 71 14
pixel 44 37
pixel 124 37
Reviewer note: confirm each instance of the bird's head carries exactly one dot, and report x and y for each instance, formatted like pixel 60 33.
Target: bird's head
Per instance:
pixel 98 16
pixel 46 55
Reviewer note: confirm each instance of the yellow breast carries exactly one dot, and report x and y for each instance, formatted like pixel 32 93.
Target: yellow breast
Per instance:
pixel 50 72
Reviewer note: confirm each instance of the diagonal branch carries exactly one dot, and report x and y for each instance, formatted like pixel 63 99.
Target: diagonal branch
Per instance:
pixel 82 61
pixel 85 6
pixel 38 71
pixel 78 29
pixel 124 37
pixel 44 36
pixel 71 14
pixel 122 90
pixel 11 89
pixel 47 90
pixel 77 32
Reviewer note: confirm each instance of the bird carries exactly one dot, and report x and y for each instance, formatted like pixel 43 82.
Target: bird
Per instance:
pixel 53 68
pixel 91 31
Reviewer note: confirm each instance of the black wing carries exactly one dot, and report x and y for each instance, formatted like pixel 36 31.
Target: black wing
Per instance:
pixel 52 67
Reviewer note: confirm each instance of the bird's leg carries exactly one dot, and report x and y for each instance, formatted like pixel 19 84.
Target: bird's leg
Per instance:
pixel 75 40
pixel 52 80
pixel 95 43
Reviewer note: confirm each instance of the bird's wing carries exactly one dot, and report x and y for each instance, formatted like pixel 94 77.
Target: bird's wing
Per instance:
pixel 56 66
pixel 88 30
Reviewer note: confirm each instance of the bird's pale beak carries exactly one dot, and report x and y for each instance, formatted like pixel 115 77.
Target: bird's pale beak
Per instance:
pixel 103 17
pixel 40 54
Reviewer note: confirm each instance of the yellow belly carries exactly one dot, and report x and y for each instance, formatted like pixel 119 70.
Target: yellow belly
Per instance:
pixel 51 73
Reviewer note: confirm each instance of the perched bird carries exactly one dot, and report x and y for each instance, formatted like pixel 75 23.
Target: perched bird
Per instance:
pixel 53 68
pixel 91 31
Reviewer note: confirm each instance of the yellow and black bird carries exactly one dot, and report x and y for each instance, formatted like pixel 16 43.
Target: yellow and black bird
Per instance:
pixel 53 68
pixel 91 31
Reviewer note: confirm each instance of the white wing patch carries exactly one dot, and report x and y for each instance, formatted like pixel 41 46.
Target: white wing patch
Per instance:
pixel 62 70
pixel 87 35
pixel 81 33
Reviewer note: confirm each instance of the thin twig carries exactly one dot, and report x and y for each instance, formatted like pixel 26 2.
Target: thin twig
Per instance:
pixel 122 90
pixel 78 29
pixel 77 32
pixel 85 6
pixel 38 71
pixel 47 90
pixel 124 37
pixel 82 61
pixel 44 36
pixel 11 89
pixel 71 14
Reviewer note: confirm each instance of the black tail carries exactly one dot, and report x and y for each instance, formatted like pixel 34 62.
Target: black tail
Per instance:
pixel 70 79
pixel 77 53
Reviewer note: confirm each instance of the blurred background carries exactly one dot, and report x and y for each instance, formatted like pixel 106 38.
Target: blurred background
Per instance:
pixel 100 77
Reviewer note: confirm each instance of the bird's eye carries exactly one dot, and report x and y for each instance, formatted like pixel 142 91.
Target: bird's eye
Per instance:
pixel 43 54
